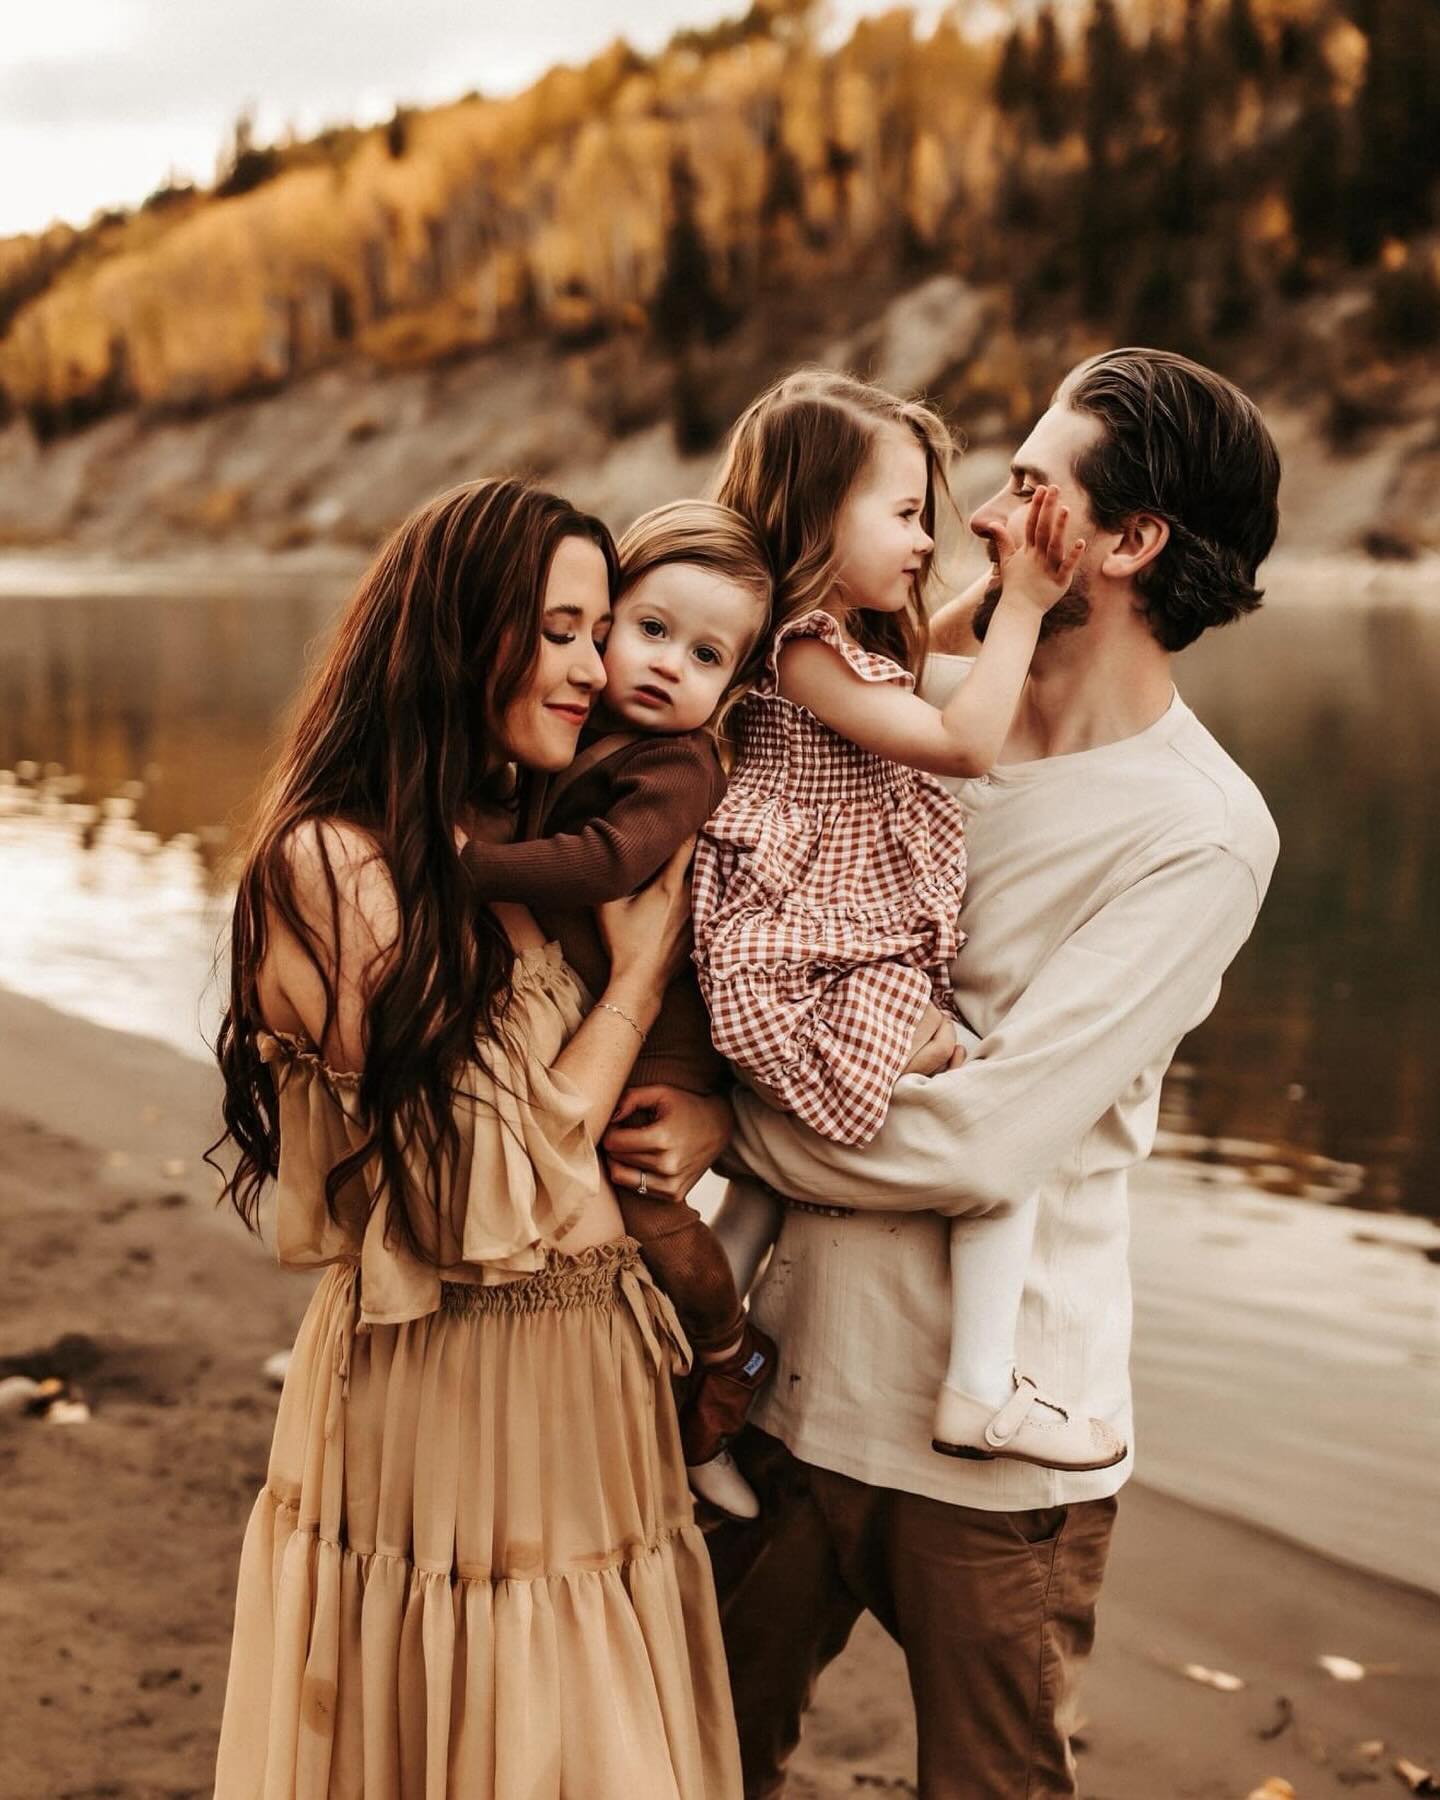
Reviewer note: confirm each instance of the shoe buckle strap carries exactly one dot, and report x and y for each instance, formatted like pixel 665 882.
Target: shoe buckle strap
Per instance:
pixel 1013 1414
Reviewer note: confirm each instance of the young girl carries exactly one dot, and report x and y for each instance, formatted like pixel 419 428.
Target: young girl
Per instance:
pixel 828 882
pixel 689 621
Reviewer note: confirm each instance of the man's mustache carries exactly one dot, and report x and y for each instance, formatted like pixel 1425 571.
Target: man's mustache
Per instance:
pixel 995 585
pixel 1070 613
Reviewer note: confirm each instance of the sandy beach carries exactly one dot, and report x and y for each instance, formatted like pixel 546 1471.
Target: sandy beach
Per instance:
pixel 122 1532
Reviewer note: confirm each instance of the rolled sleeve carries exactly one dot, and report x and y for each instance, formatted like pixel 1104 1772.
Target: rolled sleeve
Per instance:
pixel 1113 1000
pixel 661 791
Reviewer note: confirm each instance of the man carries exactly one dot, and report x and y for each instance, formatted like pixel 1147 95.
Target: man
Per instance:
pixel 1118 860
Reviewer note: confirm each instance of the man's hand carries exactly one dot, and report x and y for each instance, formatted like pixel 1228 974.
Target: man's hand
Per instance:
pixel 680 1137
pixel 934 1045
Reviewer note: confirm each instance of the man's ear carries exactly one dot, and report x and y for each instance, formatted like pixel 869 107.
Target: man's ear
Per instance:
pixel 1141 541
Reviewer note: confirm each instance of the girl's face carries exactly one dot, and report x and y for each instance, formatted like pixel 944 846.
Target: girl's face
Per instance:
pixel 679 639
pixel 540 726
pixel 880 542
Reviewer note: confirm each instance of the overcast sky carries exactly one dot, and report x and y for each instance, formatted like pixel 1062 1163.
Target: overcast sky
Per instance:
pixel 101 99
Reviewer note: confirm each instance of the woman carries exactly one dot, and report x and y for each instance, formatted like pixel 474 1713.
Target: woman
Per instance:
pixel 473 1569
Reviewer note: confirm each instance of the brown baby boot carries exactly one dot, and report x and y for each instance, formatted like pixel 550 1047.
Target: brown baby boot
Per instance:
pixel 714 1410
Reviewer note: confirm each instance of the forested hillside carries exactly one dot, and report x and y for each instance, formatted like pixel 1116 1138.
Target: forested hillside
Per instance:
pixel 1253 180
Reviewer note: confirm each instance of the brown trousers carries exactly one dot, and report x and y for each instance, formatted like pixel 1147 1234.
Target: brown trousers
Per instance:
pixel 995 1612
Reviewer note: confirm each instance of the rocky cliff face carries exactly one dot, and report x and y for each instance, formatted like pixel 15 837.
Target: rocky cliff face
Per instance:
pixel 333 461
pixel 585 282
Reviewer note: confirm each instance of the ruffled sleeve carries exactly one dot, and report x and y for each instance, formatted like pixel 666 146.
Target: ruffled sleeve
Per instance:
pixel 866 664
pixel 532 1163
pixel 521 1177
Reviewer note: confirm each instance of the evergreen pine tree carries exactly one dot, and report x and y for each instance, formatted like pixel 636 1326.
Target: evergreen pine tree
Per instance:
pixel 1047 80
pixel 244 164
pixel 1236 299
pixel 686 303
pixel 784 183
pixel 1396 157
pixel 1162 304
pixel 1184 185
pixel 1244 42
pixel 397 132
pixel 1012 77
pixel 1292 47
pixel 1109 74
pixel 1406 306
pixel 1315 173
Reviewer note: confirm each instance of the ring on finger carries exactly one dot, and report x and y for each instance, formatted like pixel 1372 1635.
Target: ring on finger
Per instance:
pixel 643 1185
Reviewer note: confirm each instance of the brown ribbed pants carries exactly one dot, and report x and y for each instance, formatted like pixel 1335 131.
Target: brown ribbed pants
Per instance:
pixel 995 1612
pixel 684 1256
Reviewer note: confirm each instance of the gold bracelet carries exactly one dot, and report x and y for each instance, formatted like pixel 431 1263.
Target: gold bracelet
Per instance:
pixel 620 1013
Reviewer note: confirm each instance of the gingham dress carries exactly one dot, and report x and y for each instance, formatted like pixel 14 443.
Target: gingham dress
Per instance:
pixel 826 897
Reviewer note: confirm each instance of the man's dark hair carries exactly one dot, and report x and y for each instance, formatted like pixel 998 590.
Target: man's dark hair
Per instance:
pixel 1184 444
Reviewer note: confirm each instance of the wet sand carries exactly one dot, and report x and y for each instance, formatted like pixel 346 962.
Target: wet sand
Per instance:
pixel 122 1533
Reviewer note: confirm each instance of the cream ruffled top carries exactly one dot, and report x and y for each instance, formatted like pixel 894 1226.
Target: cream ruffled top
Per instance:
pixel 526 1165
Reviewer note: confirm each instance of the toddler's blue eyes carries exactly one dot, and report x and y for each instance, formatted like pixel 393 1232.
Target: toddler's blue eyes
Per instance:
pixel 654 629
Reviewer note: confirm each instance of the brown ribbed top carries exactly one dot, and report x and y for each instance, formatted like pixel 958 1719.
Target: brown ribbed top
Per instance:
pixel 606 834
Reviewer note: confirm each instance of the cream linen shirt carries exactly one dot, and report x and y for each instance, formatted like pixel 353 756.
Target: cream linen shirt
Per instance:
pixel 1109 891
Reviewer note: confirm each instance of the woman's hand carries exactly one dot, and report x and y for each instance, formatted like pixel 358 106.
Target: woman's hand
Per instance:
pixel 648 934
pixel 683 1135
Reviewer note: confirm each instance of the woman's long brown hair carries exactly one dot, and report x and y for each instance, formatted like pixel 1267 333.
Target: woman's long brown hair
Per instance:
pixel 397 732
pixel 791 461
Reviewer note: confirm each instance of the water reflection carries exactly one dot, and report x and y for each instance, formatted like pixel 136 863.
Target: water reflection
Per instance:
pixel 1326 1041
pixel 149 719
pixel 181 694
pixel 104 918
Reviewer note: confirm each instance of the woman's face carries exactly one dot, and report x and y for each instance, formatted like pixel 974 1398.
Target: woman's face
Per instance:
pixel 540 726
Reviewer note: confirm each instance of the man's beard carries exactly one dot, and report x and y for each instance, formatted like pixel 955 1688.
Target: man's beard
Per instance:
pixel 1069 613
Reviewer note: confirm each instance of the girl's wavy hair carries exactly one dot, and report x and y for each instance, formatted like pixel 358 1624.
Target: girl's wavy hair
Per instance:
pixel 790 464
pixel 1183 444
pixel 397 731
pixel 723 541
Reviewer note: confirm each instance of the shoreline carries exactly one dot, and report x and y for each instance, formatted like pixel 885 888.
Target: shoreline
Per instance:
pixel 115 1235
pixel 1271 1332
pixel 60 572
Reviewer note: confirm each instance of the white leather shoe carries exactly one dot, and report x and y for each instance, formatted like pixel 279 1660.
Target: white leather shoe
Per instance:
pixel 1028 1428
pixel 720 1482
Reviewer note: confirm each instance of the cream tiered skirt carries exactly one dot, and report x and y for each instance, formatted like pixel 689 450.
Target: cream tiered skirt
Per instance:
pixel 474 1569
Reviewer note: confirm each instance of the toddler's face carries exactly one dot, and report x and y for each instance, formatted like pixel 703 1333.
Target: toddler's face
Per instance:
pixel 880 540
pixel 679 638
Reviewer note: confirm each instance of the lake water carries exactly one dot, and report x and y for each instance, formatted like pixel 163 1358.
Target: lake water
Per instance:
pixel 135 726
pixel 1287 1233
